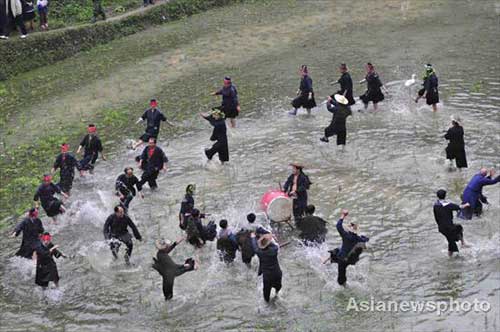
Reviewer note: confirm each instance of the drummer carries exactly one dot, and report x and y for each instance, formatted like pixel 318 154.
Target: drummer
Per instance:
pixel 296 187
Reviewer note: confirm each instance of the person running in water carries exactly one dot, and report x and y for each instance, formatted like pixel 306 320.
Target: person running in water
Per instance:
pixel 267 251
pixel 456 146
pixel 92 146
pixel 66 162
pixel 443 214
pixel 153 117
pixel 305 93
pixel 124 187
pixel 296 187
pixel 45 193
pixel 116 231
pixel 345 82
pixel 230 104
pixel 430 89
pixel 167 268
pixel 187 206
pixel 374 86
pixel 352 247
pixel 219 135
pixel 340 109
pixel 152 161
pixel 473 193
pixel 46 267
pixel 32 228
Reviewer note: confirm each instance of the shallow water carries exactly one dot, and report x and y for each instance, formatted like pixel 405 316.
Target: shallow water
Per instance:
pixel 393 164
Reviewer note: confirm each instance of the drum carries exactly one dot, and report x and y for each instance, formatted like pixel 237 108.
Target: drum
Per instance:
pixel 276 205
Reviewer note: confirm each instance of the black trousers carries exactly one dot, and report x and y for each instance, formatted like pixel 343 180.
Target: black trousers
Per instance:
pixel 168 280
pixel 299 208
pixel 6 28
pixel 66 182
pixel 453 234
pixel 271 280
pixel 150 177
pixel 115 245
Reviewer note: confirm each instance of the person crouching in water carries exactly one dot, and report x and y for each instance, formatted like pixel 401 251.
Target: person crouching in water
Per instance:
pixel 305 93
pixel 230 104
pixel 312 228
pixel 32 229
pixel 352 247
pixel 340 109
pixel 219 136
pixel 443 214
pixel 46 268
pixel 267 251
pixel 456 146
pixel 124 187
pixel 116 231
pixel 92 146
pixel 67 163
pixel 244 240
pixel 45 193
pixel 473 193
pixel 226 243
pixel 374 87
pixel 152 161
pixel 194 229
pixel 430 89
pixel 296 187
pixel 187 206
pixel 167 268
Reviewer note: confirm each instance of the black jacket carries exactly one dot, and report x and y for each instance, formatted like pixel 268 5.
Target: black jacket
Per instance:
pixel 125 184
pixel 153 120
pixel 92 144
pixel 220 131
pixel 66 162
pixel 302 186
pixel 456 136
pixel 345 82
pixel 340 114
pixel 116 227
pixel 45 193
pixel 306 85
pixel 268 258
pixel 156 161
pixel 443 214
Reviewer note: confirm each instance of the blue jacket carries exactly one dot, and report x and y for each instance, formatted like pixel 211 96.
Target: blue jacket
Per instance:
pixel 474 189
pixel 229 97
pixel 349 239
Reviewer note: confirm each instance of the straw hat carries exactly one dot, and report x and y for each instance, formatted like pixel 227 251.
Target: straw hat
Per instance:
pixel 217 112
pixel 456 118
pixel 162 244
pixel 341 99
pixel 297 164
pixel 265 240
pixel 350 228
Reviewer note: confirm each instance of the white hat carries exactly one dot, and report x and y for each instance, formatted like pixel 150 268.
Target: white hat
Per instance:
pixel 350 228
pixel 456 118
pixel 341 99
pixel 162 244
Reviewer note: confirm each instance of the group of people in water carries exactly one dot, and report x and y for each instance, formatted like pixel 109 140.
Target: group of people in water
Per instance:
pixel 253 239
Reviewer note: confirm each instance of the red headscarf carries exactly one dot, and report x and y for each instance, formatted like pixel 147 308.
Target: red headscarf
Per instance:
pixel 64 147
pixel 153 103
pixel 46 237
pixel 33 213
pixel 47 178
pixel 91 129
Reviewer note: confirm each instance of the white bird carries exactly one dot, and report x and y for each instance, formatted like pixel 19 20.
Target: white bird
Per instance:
pixel 410 82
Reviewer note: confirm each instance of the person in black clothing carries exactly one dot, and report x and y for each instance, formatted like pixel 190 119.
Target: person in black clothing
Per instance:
pixel 187 206
pixel 230 104
pixel 32 228
pixel 305 93
pixel 219 135
pixel 46 268
pixel 430 89
pixel 12 14
pixel 167 268
pixel 374 86
pixel 116 231
pixel 124 186
pixel 352 247
pixel 443 214
pixel 312 228
pixel 153 117
pixel 345 82
pixel 45 193
pixel 66 163
pixel 152 161
pixel 194 229
pixel 340 110
pixel 91 143
pixel 456 146
pixel 98 11
pixel 296 187
pixel 267 251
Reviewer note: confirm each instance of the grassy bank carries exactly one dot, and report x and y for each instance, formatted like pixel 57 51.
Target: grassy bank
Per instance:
pixel 57 45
